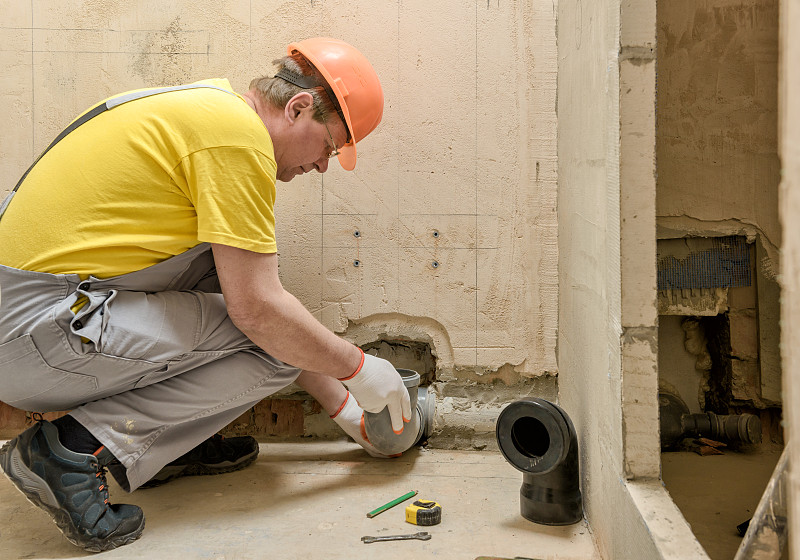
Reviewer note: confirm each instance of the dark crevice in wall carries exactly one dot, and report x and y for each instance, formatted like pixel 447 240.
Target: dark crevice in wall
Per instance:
pixel 406 354
pixel 718 334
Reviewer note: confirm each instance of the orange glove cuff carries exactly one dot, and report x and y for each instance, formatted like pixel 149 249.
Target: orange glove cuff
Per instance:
pixel 364 429
pixel 341 406
pixel 360 365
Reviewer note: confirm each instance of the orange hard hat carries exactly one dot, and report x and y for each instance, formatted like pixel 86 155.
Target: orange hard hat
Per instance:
pixel 353 82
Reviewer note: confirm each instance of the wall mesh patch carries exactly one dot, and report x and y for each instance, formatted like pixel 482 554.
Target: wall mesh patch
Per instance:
pixel 726 264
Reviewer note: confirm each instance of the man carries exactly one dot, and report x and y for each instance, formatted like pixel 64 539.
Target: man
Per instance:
pixel 140 286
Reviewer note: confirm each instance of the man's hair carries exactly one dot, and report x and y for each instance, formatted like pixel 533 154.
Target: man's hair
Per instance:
pixel 278 91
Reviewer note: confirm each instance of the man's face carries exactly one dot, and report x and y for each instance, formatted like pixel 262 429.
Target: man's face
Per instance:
pixel 311 144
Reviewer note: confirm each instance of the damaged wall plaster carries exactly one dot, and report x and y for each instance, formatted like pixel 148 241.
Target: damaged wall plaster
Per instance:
pixel 693 301
pixel 469 399
pixel 451 212
pixel 683 360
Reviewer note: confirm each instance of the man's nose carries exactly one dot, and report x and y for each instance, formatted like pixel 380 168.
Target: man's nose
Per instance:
pixel 322 164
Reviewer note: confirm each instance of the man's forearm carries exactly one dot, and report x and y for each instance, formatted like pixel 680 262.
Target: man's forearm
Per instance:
pixel 327 391
pixel 287 330
pixel 274 319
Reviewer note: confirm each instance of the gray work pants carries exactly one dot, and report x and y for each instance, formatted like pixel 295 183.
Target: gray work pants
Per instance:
pixel 152 365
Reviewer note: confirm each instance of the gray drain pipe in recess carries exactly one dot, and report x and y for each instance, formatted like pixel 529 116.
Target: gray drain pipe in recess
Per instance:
pixel 677 423
pixel 378 426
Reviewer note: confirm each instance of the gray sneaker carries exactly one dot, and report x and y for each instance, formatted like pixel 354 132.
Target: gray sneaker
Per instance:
pixel 71 487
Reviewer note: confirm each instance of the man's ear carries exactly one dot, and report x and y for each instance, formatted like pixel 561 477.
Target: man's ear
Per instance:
pixel 302 101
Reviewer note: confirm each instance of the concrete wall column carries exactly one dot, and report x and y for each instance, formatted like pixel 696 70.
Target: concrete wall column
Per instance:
pixel 789 147
pixel 637 178
pixel 607 312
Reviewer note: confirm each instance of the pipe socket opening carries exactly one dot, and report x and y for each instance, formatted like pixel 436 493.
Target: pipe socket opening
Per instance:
pixel 538 438
pixel 530 437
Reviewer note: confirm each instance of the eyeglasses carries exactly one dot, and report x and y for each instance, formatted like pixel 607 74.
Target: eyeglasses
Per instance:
pixel 334 150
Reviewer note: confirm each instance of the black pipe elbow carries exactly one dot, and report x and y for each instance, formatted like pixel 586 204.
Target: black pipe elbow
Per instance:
pixel 538 438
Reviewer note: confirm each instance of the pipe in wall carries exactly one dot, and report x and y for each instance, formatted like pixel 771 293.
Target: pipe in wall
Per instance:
pixel 378 426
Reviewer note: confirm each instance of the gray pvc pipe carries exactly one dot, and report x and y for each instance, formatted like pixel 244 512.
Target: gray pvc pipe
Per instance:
pixel 379 425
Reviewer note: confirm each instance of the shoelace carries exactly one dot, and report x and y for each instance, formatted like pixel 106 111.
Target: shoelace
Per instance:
pixel 101 474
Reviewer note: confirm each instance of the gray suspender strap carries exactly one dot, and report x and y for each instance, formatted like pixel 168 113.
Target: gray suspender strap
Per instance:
pixel 103 107
pixel 120 99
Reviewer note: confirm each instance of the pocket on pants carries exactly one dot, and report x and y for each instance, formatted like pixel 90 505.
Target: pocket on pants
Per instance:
pixel 154 327
pixel 30 383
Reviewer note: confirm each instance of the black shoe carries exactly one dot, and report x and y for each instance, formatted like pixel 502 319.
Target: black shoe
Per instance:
pixel 71 487
pixel 216 455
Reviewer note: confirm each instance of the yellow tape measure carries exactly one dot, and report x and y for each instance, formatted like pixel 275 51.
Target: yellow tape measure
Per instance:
pixel 424 512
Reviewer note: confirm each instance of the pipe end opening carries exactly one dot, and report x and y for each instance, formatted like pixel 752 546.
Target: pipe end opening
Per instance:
pixel 530 437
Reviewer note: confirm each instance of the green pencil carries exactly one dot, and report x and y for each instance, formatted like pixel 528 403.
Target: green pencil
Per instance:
pixel 391 504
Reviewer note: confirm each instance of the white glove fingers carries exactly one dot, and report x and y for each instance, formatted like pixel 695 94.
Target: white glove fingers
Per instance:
pixel 350 418
pixel 396 414
pixel 406 405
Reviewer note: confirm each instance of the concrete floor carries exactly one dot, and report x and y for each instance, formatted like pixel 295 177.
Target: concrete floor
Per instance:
pixel 716 493
pixel 309 500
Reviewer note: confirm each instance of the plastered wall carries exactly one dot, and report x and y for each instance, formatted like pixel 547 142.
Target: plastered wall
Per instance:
pixel 446 231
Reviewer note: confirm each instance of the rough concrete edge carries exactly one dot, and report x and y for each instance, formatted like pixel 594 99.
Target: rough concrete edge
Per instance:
pixel 670 532
pixel 768 289
pixel 639 395
pixel 672 227
pixel 422 329
pixel 789 204
pixel 466 414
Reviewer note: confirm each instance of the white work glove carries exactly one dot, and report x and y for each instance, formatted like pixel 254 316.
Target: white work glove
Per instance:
pixel 350 418
pixel 375 385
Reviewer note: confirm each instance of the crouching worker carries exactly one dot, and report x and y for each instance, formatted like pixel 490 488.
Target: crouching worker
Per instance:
pixel 140 286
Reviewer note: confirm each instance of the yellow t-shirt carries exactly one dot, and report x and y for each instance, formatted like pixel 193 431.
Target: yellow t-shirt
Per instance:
pixel 145 181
